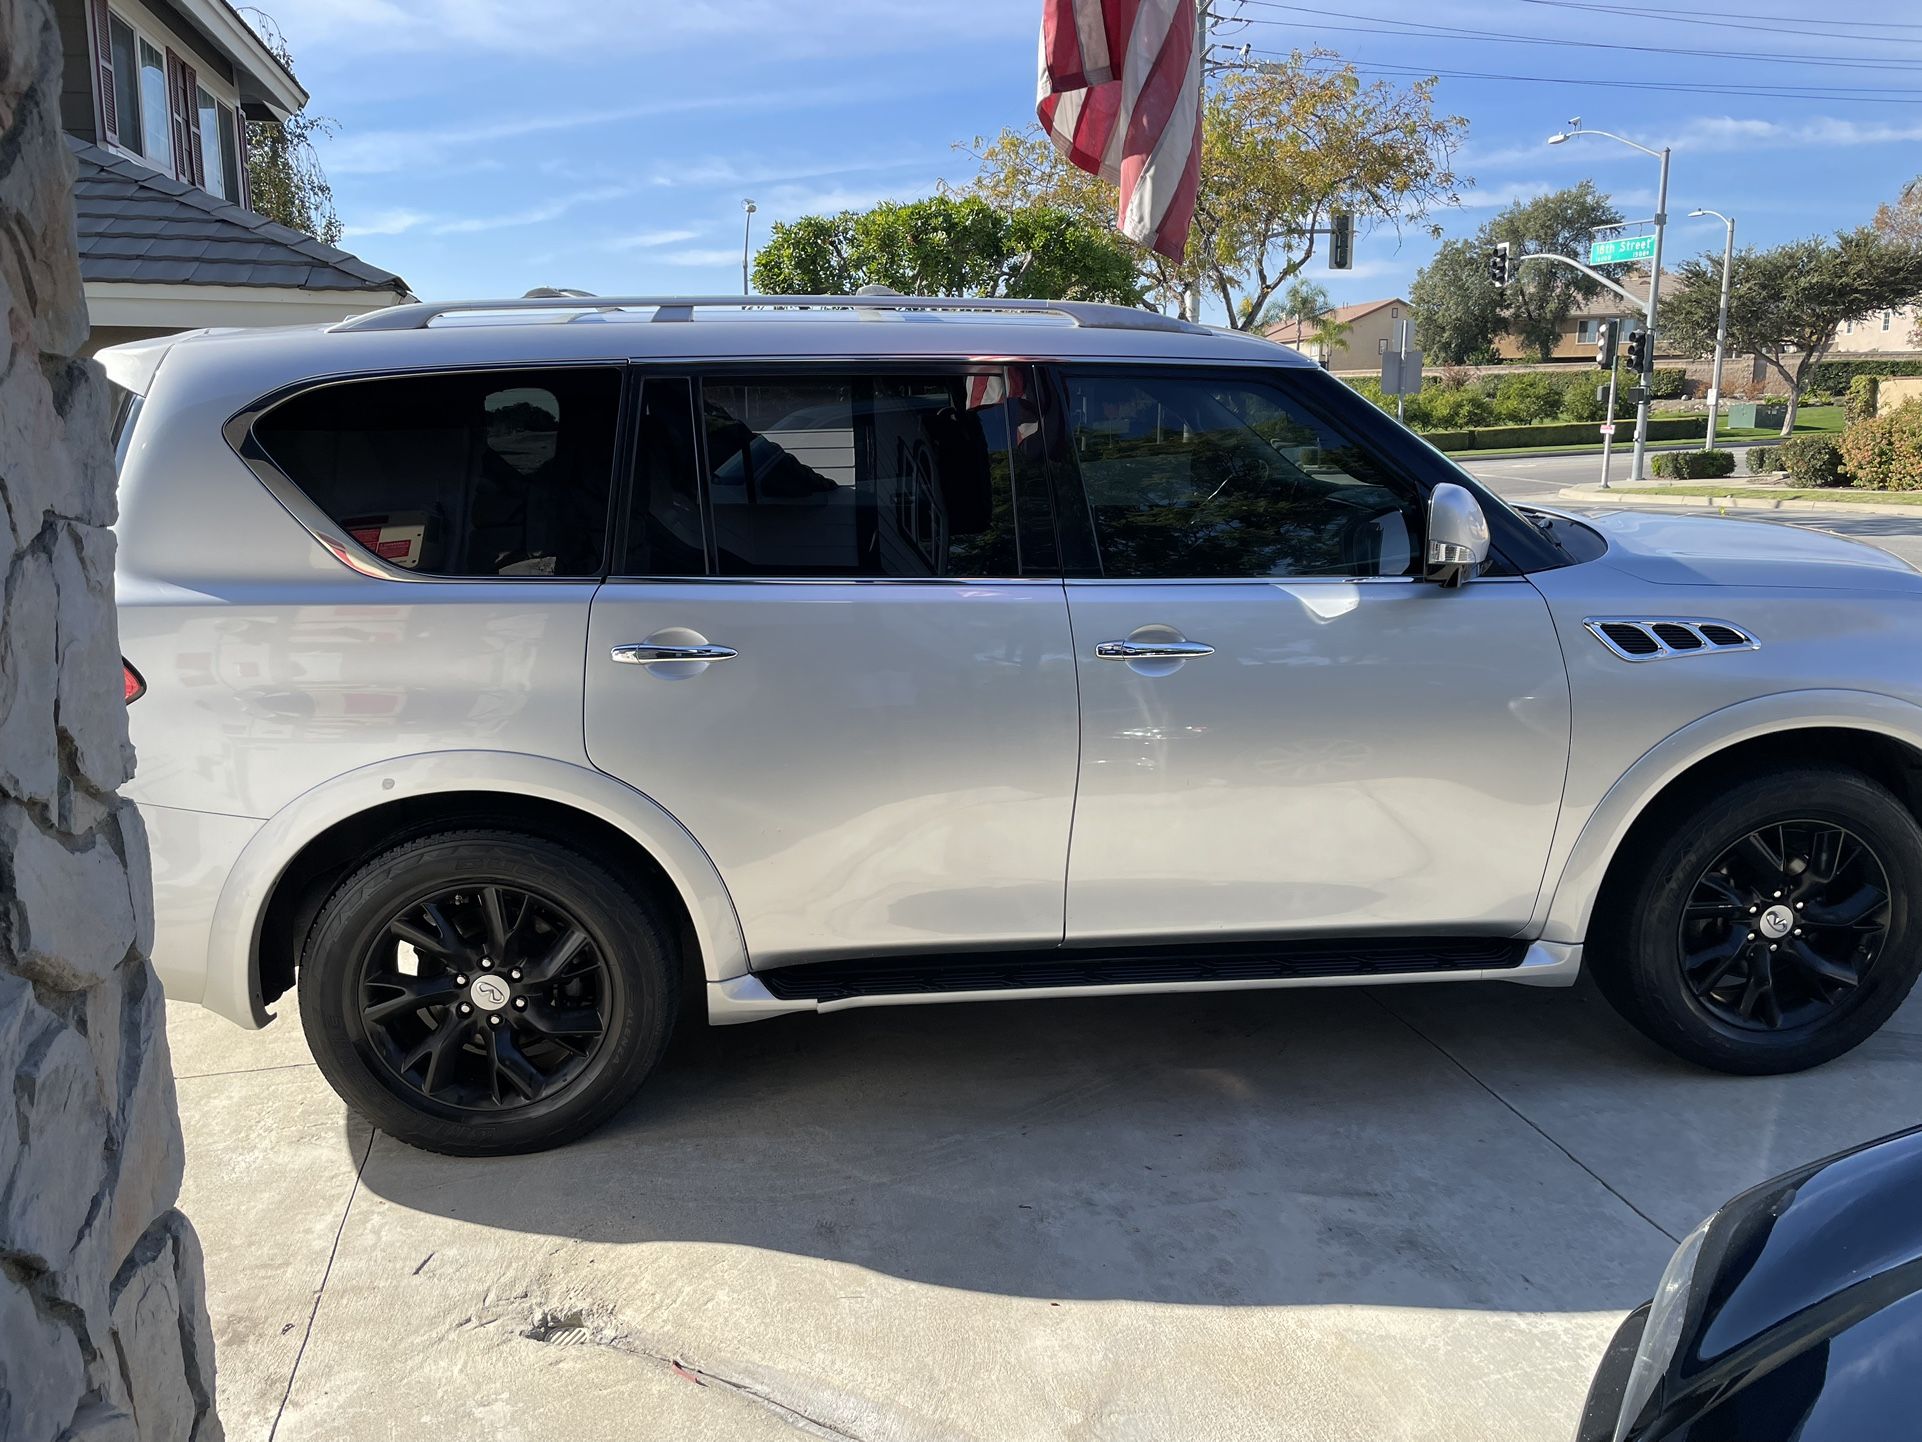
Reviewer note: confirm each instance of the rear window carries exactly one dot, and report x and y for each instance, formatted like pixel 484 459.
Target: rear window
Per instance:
pixel 496 473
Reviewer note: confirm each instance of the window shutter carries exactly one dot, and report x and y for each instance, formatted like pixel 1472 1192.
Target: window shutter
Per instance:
pixel 190 109
pixel 103 74
pixel 179 106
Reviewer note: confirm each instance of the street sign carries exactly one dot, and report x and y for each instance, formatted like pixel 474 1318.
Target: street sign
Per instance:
pixel 1621 248
pixel 1608 428
pixel 1400 372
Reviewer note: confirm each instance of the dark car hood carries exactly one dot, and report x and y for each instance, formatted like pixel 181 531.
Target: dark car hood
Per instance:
pixel 1723 551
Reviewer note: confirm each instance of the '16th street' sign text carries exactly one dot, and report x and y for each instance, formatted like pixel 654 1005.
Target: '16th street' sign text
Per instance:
pixel 1620 248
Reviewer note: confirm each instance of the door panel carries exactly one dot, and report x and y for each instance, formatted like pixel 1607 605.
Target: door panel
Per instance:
pixel 1352 756
pixel 881 767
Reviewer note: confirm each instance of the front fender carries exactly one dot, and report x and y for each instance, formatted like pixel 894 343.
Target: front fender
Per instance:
pixel 233 945
pixel 1580 880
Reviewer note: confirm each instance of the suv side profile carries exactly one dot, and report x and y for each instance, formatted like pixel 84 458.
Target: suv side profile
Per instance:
pixel 518 673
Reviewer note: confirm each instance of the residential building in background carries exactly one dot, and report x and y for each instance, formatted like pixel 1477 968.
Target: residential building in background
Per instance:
pixel 155 97
pixel 1579 333
pixel 1371 330
pixel 1894 333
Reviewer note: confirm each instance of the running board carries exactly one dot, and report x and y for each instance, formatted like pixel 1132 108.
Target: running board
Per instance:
pixel 1059 972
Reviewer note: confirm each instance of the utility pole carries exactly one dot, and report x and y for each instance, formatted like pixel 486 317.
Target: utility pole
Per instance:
pixel 1721 322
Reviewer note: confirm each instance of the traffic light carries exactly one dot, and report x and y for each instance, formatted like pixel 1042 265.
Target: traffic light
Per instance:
pixel 1498 267
pixel 1638 351
pixel 1606 339
pixel 1341 241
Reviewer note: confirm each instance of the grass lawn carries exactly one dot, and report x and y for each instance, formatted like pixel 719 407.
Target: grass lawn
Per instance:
pixel 1827 495
pixel 1809 421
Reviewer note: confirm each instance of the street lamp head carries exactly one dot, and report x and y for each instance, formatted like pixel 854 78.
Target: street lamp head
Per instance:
pixel 1694 213
pixel 1557 138
pixel 749 206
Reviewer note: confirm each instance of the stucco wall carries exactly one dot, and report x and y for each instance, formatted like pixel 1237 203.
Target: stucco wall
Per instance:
pixel 103 1326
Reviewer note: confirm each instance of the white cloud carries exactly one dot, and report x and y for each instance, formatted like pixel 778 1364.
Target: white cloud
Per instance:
pixel 719 255
pixel 645 239
pixel 386 222
pixel 1710 133
pixel 539 214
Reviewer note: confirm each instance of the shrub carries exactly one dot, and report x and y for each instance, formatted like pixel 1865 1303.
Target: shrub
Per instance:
pixel 1813 461
pixel 1453 407
pixel 1762 459
pixel 1666 383
pixel 1832 377
pixel 1369 388
pixel 1695 465
pixel 1579 401
pixel 1885 452
pixel 1860 405
pixel 1526 397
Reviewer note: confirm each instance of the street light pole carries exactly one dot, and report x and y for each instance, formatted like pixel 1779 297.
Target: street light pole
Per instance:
pixel 1721 322
pixel 748 208
pixel 1655 270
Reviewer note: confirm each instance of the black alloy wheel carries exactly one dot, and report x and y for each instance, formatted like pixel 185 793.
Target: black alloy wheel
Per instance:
pixel 484 997
pixel 486 991
pixel 1782 927
pixel 1766 923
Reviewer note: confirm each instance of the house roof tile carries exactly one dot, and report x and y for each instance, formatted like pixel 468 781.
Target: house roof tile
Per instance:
pixel 138 226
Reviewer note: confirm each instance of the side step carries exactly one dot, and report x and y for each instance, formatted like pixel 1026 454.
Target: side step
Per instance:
pixel 1060 967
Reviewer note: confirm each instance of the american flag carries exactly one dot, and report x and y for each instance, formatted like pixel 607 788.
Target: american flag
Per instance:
pixel 1121 97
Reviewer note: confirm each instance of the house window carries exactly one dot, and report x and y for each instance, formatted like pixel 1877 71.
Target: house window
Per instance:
pixel 1848 327
pixel 218 159
pixel 229 128
pixel 126 80
pixel 1585 331
pixel 1381 346
pixel 155 124
pixel 1888 319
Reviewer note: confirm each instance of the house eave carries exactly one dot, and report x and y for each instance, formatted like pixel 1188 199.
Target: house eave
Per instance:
pixel 264 83
pixel 192 307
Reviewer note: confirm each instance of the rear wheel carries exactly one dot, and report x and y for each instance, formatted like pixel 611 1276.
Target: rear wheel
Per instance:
pixel 1771 925
pixel 481 992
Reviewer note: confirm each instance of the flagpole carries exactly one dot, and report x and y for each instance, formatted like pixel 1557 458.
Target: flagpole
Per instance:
pixel 1193 307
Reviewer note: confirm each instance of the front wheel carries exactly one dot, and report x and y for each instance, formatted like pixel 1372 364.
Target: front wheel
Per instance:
pixel 480 992
pixel 1770 925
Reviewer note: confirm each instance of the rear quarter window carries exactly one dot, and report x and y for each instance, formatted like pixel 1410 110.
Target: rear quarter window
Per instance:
pixel 498 473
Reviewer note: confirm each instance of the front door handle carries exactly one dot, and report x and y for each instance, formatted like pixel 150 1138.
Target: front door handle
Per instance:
pixel 1152 650
pixel 650 654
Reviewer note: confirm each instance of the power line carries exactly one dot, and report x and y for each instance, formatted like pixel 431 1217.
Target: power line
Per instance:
pixel 1423 30
pixel 1872 96
pixel 1731 20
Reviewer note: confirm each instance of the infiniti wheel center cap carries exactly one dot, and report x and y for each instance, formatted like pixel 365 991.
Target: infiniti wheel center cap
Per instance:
pixel 1777 921
pixel 490 993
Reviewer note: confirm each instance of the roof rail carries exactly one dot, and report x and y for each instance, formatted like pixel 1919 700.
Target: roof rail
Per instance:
pixel 1089 314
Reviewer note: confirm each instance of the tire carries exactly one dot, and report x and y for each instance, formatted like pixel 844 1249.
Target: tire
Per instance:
pixel 530 1059
pixel 1694 898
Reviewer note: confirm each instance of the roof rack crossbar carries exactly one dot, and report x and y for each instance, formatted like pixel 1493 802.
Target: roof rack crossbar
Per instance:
pixel 1089 314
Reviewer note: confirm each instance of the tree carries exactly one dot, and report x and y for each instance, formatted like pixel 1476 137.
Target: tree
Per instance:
pixel 1901 220
pixel 949 245
pixel 1303 312
pixel 1540 298
pixel 284 178
pixel 1283 147
pixel 1787 303
pixel 1457 309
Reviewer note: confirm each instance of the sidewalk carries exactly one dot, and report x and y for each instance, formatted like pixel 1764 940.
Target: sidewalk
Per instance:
pixel 1692 496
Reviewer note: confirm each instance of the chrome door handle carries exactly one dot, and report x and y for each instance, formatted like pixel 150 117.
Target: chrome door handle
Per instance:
pixel 648 654
pixel 1152 650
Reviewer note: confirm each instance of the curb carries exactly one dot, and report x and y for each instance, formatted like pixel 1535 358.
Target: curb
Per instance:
pixel 1698 499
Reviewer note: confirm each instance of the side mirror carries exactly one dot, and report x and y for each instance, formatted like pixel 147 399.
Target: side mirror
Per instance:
pixel 1457 535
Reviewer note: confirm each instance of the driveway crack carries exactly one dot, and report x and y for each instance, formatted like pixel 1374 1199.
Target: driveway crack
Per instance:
pixel 321 1290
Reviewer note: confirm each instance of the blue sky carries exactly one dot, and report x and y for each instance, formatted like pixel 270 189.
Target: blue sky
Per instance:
pixel 487 146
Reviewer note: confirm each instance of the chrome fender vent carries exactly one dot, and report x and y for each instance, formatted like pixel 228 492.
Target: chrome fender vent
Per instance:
pixel 1656 638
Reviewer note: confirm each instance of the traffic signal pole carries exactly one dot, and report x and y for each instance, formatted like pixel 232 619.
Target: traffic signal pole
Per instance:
pixel 1654 294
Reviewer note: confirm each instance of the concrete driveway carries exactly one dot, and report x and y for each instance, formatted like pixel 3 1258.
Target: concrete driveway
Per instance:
pixel 1388 1213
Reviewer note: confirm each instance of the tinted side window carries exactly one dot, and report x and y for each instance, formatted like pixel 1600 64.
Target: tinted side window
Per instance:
pixel 664 534
pixel 1206 477
pixel 496 473
pixel 889 475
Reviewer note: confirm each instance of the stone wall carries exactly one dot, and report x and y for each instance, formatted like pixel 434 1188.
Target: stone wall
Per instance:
pixel 103 1325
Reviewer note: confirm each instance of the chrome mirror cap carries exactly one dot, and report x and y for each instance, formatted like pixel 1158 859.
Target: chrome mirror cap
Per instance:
pixel 1457 535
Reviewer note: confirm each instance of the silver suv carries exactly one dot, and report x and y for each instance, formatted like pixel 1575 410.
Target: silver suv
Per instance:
pixel 509 676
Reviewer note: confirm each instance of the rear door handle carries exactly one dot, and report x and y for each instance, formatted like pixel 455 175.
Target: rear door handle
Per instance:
pixel 649 654
pixel 1152 650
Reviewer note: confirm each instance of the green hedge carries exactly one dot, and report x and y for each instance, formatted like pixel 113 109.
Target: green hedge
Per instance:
pixel 1832 377
pixel 1762 459
pixel 1813 461
pixel 1695 465
pixel 1561 433
pixel 1666 383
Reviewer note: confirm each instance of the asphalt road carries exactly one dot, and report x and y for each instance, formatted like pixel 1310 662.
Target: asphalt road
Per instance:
pixel 1541 479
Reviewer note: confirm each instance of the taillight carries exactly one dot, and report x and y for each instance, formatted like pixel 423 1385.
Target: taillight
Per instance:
pixel 136 688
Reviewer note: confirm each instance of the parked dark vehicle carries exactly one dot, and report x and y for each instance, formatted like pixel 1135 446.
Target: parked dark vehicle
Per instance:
pixel 1794 1312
